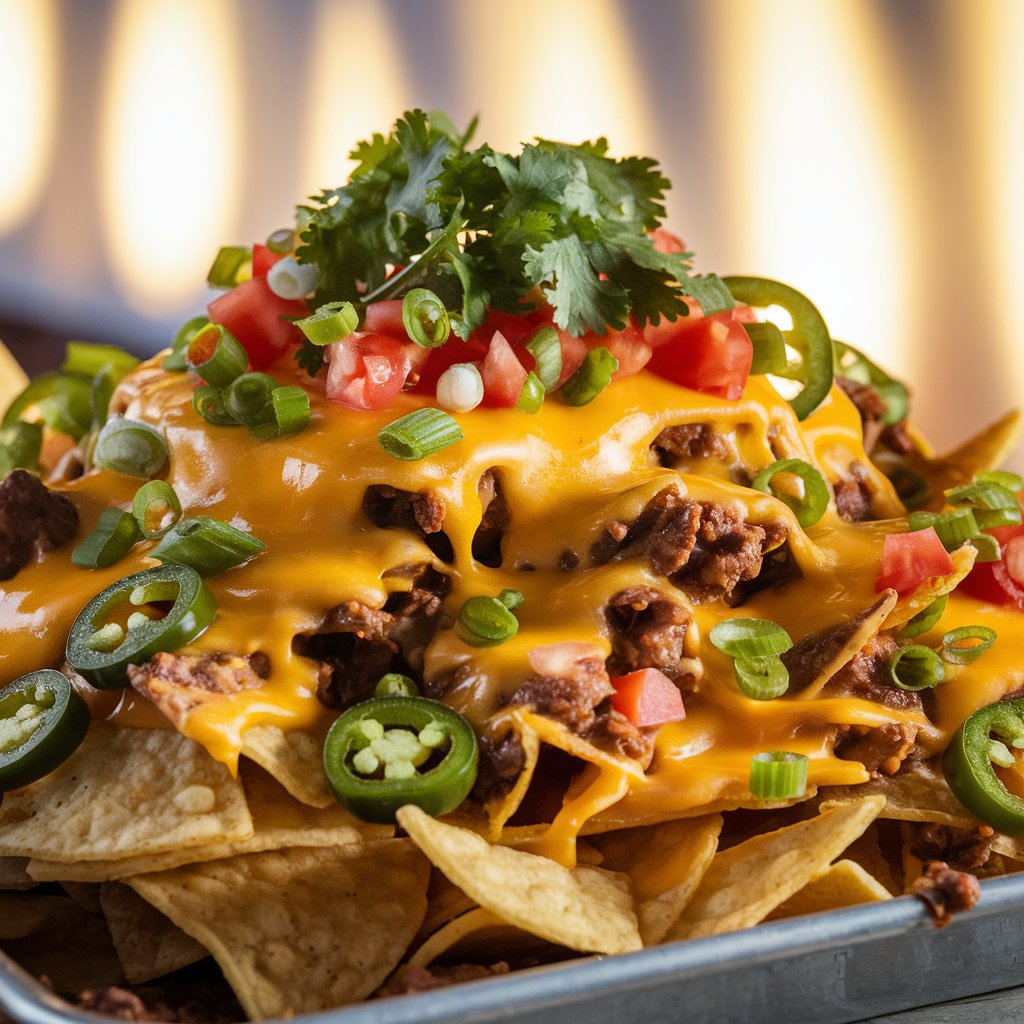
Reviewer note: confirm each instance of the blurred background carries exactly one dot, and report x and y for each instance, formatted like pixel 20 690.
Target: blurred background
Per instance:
pixel 868 152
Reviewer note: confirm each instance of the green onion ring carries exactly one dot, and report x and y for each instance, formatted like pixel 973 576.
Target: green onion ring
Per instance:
pixel 811 507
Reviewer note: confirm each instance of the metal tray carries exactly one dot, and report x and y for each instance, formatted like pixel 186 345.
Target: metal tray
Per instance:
pixel 829 968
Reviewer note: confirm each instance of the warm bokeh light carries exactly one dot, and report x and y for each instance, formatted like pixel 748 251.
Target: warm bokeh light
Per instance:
pixel 817 164
pixel 171 145
pixel 564 71
pixel 356 86
pixel 28 88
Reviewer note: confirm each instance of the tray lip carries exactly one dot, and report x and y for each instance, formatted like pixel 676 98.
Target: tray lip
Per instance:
pixel 516 995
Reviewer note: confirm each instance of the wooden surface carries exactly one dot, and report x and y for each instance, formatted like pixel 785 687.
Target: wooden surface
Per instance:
pixel 995 1008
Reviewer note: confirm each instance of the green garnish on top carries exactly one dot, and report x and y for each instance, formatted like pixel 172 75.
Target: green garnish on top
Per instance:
pixel 484 229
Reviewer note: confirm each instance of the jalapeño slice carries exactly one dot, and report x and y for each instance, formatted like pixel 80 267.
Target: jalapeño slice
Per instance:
pixel 392 751
pixel 125 624
pixel 42 723
pixel 986 737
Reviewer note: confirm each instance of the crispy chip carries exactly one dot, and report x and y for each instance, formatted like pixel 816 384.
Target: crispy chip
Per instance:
pixel 583 908
pixel 477 936
pixel 148 944
pixel 844 884
pixel 499 811
pixel 746 883
pixel 117 797
pixel 301 930
pixel 295 759
pixel 918 599
pixel 666 863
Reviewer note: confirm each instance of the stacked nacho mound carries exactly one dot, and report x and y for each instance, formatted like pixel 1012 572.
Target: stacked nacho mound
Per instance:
pixel 707 659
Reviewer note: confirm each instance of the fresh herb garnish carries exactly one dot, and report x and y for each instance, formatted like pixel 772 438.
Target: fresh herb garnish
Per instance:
pixel 485 229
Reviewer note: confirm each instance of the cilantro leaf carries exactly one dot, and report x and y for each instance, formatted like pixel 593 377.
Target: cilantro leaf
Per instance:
pixel 310 357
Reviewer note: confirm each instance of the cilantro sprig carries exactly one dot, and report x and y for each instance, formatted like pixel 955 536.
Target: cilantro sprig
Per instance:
pixel 565 224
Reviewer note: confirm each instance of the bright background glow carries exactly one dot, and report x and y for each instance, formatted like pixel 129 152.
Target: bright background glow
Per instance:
pixel 869 152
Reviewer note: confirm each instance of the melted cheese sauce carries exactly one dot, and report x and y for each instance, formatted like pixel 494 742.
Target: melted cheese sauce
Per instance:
pixel 565 473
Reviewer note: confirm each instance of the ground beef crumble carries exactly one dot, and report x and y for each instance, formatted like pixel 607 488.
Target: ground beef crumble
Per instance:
pixel 963 849
pixel 946 891
pixel 33 521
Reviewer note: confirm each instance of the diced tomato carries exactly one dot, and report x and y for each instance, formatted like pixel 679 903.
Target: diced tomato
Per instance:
pixel 385 317
pixel 1000 582
pixel 628 346
pixel 259 319
pixel 437 360
pixel 711 354
pixel 648 697
pixel 908 559
pixel 514 327
pixel 503 374
pixel 367 371
pixel 574 351
pixel 263 259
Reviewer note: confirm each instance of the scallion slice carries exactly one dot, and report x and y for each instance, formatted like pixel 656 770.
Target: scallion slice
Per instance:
pixel 20 446
pixel 988 548
pixel 769 348
pixel 993 504
pixel 394 684
pixel 206 545
pixel 511 599
pixel 925 619
pixel 531 398
pixel 208 402
pixel 761 678
pixel 592 377
pixel 90 359
pixel 954 528
pixel 281 241
pixel 115 534
pixel 330 323
pixel 419 434
pixel 156 509
pixel 1003 477
pixel 485 622
pixel 750 638
pixel 546 348
pixel 289 406
pixel 174 361
pixel 130 447
pixel 425 318
pixel 246 398
pixel 809 507
pixel 778 775
pixel 215 354
pixel 916 667
pixel 967 643
pixel 227 266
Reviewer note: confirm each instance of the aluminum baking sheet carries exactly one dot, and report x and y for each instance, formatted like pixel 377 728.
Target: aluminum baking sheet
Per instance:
pixel 829 968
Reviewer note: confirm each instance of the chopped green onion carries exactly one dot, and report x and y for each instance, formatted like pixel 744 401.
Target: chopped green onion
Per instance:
pixel 63 401
pixel 987 547
pixel 89 359
pixel 419 434
pixel 1003 477
pixel 954 528
pixel 761 678
pixel 925 619
pixel 592 377
pixel 131 448
pixel 281 241
pixel 394 684
pixel 546 348
pixel 174 361
pixel 750 638
pixel 330 323
pixel 511 599
pixel 993 504
pixel 208 546
pixel 769 349
pixel 246 398
pixel 289 406
pixel 916 667
pixel 290 279
pixel 778 775
pixel 531 398
pixel 115 535
pixel 485 622
pixel 460 388
pixel 156 509
pixel 853 364
pixel 208 402
pixel 216 355
pixel 958 649
pixel 911 488
pixel 20 445
pixel 227 266
pixel 811 506
pixel 425 318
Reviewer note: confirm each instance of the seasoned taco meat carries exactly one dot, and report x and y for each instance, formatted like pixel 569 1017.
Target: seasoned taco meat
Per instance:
pixel 946 891
pixel 853 499
pixel 689 442
pixel 872 407
pixel 882 750
pixel 866 675
pixel 963 849
pixel 33 520
pixel 390 507
pixel 648 631
pixel 494 521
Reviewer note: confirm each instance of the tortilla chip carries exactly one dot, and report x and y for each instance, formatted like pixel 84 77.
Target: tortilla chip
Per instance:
pixel 116 797
pixel 876 852
pixel 917 600
pixel 295 759
pixel 302 930
pixel 844 884
pixel 12 378
pixel 815 659
pixel 583 908
pixel 477 936
pixel 148 944
pixel 665 863
pixel 499 811
pixel 556 734
pixel 445 902
pixel 13 874
pixel 746 883
pixel 278 821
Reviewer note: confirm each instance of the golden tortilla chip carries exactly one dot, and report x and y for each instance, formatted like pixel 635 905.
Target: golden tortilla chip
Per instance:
pixel 501 810
pixel 118 796
pixel 445 902
pixel 477 936
pixel 844 884
pixel 917 600
pixel 666 863
pixel 876 856
pixel 301 930
pixel 583 908
pixel 295 759
pixel 746 883
pixel 148 944
pixel 278 821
